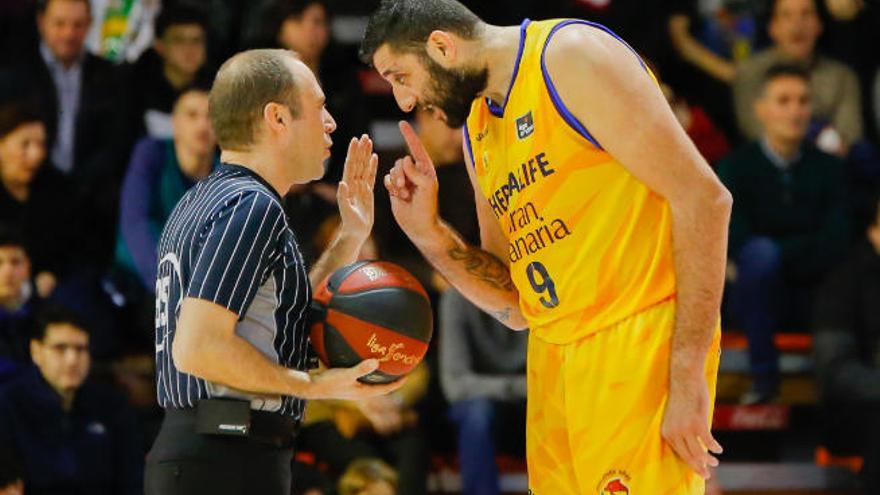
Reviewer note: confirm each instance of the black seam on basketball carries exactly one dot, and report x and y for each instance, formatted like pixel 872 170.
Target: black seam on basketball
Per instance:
pixel 339 353
pixel 406 311
pixel 339 276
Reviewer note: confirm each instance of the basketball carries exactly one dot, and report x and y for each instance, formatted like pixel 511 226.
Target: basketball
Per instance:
pixel 372 309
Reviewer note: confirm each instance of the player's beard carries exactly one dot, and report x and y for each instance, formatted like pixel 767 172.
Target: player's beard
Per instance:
pixel 453 91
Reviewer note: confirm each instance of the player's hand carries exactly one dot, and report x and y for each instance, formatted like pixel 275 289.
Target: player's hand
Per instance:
pixel 383 413
pixel 355 192
pixel 412 185
pixel 685 423
pixel 342 383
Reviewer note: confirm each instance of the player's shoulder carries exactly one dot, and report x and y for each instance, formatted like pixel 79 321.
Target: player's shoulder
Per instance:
pixel 578 41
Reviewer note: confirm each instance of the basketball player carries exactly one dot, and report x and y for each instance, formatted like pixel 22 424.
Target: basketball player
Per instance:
pixel 603 230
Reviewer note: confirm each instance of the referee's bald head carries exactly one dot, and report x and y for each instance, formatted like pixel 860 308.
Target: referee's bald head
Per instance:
pixel 244 85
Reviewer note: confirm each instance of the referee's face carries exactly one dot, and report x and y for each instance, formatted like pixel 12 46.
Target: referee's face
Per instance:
pixel 309 146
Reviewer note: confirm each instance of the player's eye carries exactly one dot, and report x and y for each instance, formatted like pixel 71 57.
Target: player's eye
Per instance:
pixel 400 79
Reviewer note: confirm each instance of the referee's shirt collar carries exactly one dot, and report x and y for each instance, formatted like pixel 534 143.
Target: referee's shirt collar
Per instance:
pixel 247 171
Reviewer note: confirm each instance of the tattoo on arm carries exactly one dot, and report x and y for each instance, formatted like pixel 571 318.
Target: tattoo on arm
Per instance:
pixel 484 266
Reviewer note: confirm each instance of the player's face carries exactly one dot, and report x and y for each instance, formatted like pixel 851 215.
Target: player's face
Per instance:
pixel 22 151
pixel 14 272
pixel 183 48
pixel 64 26
pixel 63 356
pixel 418 81
pixel 310 142
pixel 192 123
pixel 795 27
pixel 784 109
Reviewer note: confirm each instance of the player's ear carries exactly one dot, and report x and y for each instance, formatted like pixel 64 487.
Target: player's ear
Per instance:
pixel 441 48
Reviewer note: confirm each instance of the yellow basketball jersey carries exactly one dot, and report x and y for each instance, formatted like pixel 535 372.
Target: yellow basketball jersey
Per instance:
pixel 589 244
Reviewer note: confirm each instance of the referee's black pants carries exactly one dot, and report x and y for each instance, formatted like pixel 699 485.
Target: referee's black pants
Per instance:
pixel 183 462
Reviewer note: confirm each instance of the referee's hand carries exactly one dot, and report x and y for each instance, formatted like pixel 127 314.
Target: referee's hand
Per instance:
pixel 342 383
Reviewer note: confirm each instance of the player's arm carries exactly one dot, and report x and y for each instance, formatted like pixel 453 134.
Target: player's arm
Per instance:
pixel 478 273
pixel 603 84
pixel 355 199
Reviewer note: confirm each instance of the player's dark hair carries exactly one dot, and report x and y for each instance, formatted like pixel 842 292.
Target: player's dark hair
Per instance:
pixel 15 114
pixel 406 24
pixel 179 15
pixel 245 84
pixel 778 71
pixel 42 5
pixel 53 313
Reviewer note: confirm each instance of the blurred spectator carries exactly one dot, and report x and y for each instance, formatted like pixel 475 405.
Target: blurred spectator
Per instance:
pixel 17 304
pixel 483 374
pixel 122 29
pixel 790 222
pixel 709 38
pixel 387 427
pixel 30 195
pixel 176 62
pixel 706 136
pixel 714 36
pixel 11 475
pixel 72 436
pixel 368 476
pixel 304 27
pixel 159 173
pixel 851 35
pixel 847 347
pixel 836 97
pixel 79 96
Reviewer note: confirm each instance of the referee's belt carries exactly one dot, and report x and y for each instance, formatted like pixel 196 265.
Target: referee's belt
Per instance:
pixel 235 418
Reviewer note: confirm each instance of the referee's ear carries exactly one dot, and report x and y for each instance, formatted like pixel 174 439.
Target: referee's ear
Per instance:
pixel 276 117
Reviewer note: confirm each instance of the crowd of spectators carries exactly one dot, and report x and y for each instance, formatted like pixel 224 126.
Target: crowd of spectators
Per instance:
pixel 104 126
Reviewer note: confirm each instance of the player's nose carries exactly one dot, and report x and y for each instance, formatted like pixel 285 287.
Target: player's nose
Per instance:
pixel 406 100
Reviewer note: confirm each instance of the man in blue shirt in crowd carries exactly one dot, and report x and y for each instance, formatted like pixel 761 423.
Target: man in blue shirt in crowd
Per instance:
pixel 72 436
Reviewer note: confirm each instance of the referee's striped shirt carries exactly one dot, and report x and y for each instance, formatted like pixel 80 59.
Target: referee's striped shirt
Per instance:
pixel 228 241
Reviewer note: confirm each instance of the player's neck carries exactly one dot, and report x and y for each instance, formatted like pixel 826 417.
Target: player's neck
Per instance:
pixel 498 50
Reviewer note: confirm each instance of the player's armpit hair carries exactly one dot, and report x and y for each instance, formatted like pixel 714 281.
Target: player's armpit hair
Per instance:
pixel 484 266
pixel 502 315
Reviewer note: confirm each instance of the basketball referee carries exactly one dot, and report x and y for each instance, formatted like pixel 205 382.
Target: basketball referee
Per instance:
pixel 232 293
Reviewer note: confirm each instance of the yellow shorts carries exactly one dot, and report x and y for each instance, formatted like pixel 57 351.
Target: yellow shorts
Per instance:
pixel 595 407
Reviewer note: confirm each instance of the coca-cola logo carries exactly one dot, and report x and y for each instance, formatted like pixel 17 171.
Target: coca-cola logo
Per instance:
pixel 758 417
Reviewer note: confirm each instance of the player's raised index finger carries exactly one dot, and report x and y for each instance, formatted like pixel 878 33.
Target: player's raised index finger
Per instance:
pixel 416 148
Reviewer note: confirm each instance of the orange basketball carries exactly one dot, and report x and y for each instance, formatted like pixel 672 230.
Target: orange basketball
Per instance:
pixel 372 309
